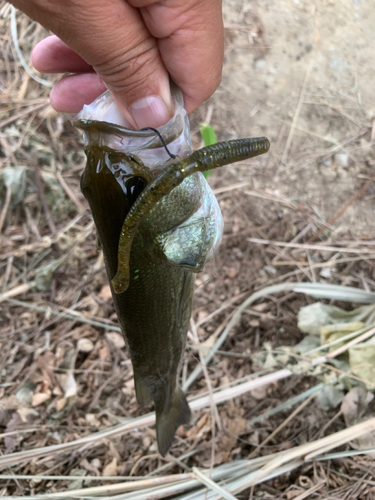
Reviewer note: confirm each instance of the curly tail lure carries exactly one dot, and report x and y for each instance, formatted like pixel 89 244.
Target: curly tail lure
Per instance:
pixel 204 159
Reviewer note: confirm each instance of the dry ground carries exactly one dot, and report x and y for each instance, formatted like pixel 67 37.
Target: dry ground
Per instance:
pixel 301 73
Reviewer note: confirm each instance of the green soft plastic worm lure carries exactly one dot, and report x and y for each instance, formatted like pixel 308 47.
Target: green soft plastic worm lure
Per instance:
pixel 153 243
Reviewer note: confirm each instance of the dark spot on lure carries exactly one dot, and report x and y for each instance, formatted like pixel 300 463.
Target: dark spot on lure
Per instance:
pixel 136 214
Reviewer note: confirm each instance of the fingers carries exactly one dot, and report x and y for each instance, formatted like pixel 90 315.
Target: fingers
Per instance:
pixel 191 43
pixel 52 55
pixel 72 92
pixel 111 37
pixel 133 46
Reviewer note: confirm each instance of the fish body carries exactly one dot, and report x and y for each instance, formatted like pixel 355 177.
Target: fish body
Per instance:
pixel 154 311
pixel 157 229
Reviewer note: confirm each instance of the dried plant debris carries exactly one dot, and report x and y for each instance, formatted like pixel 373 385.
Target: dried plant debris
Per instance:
pixel 338 327
pixel 65 374
pixel 358 406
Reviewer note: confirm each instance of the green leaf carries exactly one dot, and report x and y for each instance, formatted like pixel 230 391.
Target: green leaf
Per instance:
pixel 208 134
pixel 209 138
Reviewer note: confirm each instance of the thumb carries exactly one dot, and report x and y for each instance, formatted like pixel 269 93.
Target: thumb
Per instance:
pixel 112 38
pixel 132 69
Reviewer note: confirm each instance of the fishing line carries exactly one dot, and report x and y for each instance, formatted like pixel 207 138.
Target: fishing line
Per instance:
pixel 162 141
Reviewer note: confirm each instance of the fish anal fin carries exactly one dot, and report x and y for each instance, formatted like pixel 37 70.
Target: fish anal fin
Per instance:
pixel 141 390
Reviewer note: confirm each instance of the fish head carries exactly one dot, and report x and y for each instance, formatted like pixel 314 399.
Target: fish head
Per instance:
pixel 111 183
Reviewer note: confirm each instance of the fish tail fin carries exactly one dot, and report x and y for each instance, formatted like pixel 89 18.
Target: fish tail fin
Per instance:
pixel 169 418
pixel 142 392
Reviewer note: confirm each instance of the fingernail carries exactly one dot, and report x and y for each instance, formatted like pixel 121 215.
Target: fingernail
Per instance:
pixel 150 112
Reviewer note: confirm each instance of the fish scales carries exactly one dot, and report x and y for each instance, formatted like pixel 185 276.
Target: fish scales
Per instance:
pixel 155 236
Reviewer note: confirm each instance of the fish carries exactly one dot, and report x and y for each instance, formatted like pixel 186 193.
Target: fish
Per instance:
pixel 153 244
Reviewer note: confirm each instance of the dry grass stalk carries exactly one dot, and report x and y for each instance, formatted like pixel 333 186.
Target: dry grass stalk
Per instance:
pixel 145 420
pixel 297 114
pixel 308 246
pixel 238 475
pixel 212 485
pixel 28 125
pixel 314 289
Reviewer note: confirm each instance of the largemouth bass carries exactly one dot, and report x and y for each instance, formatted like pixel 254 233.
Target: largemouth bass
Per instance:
pixel 153 242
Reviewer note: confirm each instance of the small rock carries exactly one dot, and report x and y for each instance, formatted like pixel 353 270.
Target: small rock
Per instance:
pixel 95 462
pixel 327 162
pixel 341 159
pixel 328 173
pixel 270 270
pixel 260 63
pixel 326 272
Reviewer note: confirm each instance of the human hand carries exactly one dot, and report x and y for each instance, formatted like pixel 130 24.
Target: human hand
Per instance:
pixel 130 47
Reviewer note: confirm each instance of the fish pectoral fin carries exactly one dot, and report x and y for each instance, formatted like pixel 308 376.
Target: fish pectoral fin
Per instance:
pixel 142 392
pixel 169 419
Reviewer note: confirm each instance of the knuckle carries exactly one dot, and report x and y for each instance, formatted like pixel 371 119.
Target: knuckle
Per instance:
pixel 129 71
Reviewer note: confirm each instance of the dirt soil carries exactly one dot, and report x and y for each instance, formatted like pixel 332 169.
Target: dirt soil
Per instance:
pixel 301 73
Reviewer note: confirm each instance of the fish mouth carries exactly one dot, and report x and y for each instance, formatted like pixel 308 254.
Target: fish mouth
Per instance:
pixel 150 139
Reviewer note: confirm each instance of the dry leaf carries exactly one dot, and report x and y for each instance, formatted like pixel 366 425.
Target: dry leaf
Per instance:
pixel 27 414
pixel 355 404
pixel 40 397
pixel 201 316
pixel 116 339
pixel 97 463
pixel 83 331
pixel 355 408
pixel 111 468
pixel 113 451
pixel 294 493
pixel 259 392
pixel 233 426
pixel 194 431
pixel 46 363
pixel 92 420
pixel 231 272
pixel 105 293
pixel 330 397
pixel 60 404
pixel 362 361
pixel 9 403
pixel 104 354
pixel 90 467
pixel 11 442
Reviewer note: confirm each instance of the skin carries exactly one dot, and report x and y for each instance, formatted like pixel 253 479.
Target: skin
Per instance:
pixel 130 47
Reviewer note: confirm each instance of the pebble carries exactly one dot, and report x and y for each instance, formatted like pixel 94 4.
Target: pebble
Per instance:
pixel 341 159
pixel 328 173
pixel 260 63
